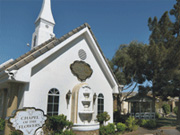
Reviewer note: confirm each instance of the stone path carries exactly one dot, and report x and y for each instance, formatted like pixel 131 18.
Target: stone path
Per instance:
pixel 160 131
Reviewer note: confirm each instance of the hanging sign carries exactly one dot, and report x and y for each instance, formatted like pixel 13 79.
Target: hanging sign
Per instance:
pixel 27 120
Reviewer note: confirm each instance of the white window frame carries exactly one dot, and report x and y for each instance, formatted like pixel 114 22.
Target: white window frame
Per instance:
pixel 54 94
pixel 100 105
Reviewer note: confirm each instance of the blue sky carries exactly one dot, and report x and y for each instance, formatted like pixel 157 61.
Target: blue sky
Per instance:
pixel 113 22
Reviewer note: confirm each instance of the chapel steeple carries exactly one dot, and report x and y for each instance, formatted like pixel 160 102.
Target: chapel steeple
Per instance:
pixel 44 25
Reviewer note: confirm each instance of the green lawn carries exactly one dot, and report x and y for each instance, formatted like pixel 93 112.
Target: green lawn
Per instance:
pixel 162 122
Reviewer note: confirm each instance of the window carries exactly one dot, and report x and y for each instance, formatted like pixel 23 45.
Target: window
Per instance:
pixel 34 44
pixel 53 102
pixel 100 103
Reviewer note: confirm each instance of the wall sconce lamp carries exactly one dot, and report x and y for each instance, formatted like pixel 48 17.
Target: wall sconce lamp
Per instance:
pixel 68 95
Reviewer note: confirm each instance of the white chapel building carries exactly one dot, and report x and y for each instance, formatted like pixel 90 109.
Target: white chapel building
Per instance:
pixel 67 75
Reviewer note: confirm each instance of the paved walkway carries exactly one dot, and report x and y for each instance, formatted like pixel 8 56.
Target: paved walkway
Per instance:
pixel 160 131
pixel 171 131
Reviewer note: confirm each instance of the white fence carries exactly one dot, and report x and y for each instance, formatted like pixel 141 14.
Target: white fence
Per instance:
pixel 145 115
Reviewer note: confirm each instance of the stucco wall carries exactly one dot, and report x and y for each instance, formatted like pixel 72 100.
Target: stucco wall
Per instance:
pixel 54 72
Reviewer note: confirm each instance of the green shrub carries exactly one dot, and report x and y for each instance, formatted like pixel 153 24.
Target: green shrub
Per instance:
pixel 175 110
pixel 166 108
pixel 103 117
pixel 157 115
pixel 150 124
pixel 107 130
pixel 135 127
pixel 142 122
pixel 2 124
pixel 123 118
pixel 116 116
pixel 15 133
pixel 121 127
pixel 68 132
pixel 131 124
pixel 120 117
pixel 56 124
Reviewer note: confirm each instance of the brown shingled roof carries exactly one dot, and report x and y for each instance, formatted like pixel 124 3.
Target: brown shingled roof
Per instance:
pixel 44 47
pixel 139 98
pixel 39 50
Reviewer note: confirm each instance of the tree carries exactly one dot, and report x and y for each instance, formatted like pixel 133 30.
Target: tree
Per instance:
pixel 2 124
pixel 166 108
pixel 154 68
pixel 128 65
pixel 158 63
pixel 136 63
pixel 166 33
pixel 176 76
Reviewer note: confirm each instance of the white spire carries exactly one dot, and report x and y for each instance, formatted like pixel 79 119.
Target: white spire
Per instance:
pixel 46 12
pixel 44 25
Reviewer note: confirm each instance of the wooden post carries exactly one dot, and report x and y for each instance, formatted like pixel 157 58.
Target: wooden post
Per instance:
pixel 4 103
pixel 130 108
pixel 12 103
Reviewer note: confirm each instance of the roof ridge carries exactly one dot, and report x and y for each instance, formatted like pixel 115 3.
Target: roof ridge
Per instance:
pixel 74 31
pixel 12 65
pixel 46 46
pixel 8 65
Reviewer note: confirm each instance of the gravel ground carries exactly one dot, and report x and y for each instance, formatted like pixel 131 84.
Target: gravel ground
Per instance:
pixel 160 131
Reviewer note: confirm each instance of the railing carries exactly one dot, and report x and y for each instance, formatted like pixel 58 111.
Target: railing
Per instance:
pixel 145 115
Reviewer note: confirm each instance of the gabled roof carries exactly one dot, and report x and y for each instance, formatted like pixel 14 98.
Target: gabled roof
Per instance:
pixel 139 98
pixel 46 46
pixel 28 57
pixel 125 93
pixel 39 50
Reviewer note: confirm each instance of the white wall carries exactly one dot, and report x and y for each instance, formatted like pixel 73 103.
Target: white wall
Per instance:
pixel 54 72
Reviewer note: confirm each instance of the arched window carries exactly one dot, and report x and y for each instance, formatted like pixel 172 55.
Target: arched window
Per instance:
pixel 100 103
pixel 53 102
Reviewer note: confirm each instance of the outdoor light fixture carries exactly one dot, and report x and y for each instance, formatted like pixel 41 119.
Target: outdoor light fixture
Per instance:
pixel 68 95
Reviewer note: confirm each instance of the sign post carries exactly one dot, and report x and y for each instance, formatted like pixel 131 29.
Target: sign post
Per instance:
pixel 27 120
